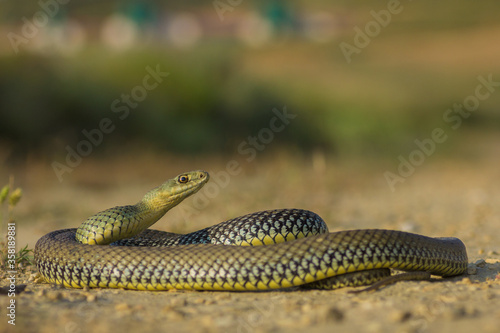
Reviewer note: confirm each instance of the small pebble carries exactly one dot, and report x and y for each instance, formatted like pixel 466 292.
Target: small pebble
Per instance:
pixel 331 313
pixel 467 280
pixel 480 263
pixel 175 315
pixel 91 298
pixel 122 307
pixel 399 316
pixel 456 312
pixel 470 310
pixel 54 296
pixel 39 279
pixel 178 302
pixel 34 276
pixel 199 301
pixel 306 308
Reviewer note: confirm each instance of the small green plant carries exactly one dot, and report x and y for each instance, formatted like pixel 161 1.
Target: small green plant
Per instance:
pixel 24 257
pixel 9 198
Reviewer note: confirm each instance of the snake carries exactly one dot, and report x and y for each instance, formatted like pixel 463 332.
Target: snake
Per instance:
pixel 266 250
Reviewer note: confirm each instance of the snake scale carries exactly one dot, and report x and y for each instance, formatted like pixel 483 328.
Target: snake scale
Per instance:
pixel 114 249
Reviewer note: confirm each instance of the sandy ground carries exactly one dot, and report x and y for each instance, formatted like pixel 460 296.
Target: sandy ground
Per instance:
pixel 457 197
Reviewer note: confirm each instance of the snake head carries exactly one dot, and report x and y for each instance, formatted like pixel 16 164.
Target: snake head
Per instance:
pixel 173 191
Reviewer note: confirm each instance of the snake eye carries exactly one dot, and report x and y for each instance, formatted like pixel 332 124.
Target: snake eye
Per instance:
pixel 183 179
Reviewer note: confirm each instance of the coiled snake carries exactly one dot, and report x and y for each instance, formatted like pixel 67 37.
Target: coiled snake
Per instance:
pixel 113 249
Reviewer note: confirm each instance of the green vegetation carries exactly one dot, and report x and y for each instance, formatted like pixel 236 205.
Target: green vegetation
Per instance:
pixel 203 105
pixel 9 197
pixel 219 92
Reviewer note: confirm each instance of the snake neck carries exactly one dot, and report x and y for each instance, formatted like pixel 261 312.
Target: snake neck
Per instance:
pixel 148 211
pixel 123 222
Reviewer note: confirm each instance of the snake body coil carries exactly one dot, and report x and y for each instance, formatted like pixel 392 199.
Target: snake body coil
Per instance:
pixel 154 260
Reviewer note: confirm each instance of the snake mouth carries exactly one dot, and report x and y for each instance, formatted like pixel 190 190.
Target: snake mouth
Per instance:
pixel 198 178
pixel 202 176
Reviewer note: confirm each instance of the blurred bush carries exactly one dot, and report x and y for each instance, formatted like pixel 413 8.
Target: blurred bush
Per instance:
pixel 211 103
pixel 202 105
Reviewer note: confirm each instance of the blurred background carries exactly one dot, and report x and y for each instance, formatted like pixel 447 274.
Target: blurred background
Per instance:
pixel 360 83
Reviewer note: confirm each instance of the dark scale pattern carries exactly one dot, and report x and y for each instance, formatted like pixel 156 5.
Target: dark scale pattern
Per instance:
pixel 267 227
pixel 61 259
